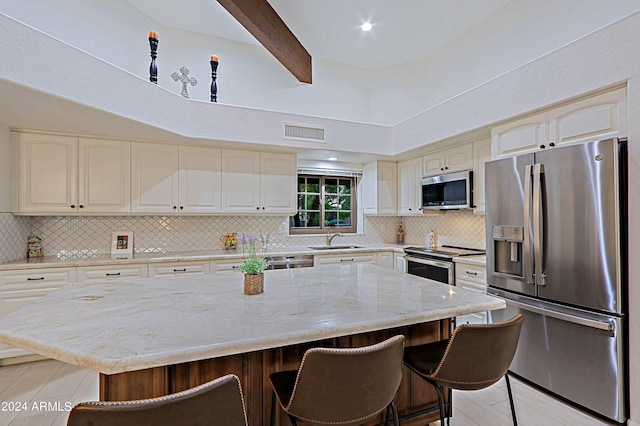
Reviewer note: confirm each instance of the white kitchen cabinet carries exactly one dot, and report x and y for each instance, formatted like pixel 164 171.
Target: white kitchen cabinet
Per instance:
pixel 471 277
pixel 93 274
pixel 379 188
pixel 400 262
pixel 64 174
pixel 345 259
pixel 450 160
pixel 225 265
pixel 481 154
pixel 104 176
pixel 409 188
pixel 596 117
pixel 589 119
pixel 200 180
pixel 154 178
pixel 178 268
pixel 19 288
pixel 255 182
pixel 175 178
pixel 385 259
pixel 524 135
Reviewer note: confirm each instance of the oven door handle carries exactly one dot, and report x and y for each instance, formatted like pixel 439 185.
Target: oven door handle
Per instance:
pixel 446 265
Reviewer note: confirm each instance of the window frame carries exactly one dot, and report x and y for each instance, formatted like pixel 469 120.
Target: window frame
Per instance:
pixel 326 229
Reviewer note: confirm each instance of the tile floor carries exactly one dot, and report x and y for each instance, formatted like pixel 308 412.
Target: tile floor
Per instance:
pixel 40 393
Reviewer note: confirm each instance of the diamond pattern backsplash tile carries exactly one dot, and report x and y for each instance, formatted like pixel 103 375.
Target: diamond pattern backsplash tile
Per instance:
pixel 14 231
pixel 88 235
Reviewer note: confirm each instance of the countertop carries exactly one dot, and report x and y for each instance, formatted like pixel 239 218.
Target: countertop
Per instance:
pixel 128 325
pixel 182 256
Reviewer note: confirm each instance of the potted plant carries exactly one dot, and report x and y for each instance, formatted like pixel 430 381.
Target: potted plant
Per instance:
pixel 254 250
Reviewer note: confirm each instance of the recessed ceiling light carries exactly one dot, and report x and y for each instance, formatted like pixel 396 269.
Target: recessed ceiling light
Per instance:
pixel 366 26
pixel 332 158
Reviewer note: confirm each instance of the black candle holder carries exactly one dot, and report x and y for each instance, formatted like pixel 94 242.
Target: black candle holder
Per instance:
pixel 153 68
pixel 214 85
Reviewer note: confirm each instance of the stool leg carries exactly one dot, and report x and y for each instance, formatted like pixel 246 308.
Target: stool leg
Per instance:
pixel 513 408
pixel 396 422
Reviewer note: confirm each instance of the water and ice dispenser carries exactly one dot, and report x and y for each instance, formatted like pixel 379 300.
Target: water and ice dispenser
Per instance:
pixel 507 249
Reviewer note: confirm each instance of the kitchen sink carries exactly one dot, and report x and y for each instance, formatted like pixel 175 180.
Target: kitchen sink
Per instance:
pixel 334 247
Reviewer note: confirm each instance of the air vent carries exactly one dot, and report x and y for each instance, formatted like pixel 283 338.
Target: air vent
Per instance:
pixel 303 133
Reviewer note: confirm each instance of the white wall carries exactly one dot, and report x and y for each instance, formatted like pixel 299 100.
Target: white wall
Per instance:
pixel 247 75
pixel 518 33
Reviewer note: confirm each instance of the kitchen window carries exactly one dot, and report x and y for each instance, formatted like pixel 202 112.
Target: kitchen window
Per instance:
pixel 325 204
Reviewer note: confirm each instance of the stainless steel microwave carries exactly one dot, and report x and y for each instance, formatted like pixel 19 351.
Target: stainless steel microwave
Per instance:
pixel 448 192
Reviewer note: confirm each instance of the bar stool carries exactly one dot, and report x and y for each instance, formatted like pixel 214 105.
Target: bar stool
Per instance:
pixel 219 401
pixel 345 386
pixel 475 357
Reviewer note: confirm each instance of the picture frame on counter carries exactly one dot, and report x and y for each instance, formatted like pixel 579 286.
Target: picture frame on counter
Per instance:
pixel 122 243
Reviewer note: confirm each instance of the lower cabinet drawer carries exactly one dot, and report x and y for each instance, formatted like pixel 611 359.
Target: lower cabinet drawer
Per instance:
pixel 345 259
pixel 178 268
pixel 89 274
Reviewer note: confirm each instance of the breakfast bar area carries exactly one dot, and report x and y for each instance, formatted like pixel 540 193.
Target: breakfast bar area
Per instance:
pixel 155 336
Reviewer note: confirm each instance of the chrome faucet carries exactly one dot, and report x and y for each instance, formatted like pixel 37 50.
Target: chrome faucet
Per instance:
pixel 331 236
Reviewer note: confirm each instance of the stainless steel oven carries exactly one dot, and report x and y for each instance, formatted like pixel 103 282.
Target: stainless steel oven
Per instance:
pixel 435 264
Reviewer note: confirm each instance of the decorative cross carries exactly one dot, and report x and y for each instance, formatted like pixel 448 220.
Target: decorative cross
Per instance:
pixel 184 78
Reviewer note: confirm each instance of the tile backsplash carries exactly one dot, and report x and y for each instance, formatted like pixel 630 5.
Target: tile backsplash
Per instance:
pixel 87 235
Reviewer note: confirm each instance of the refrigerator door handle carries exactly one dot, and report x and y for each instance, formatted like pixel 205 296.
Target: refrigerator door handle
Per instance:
pixel 527 256
pixel 600 325
pixel 538 224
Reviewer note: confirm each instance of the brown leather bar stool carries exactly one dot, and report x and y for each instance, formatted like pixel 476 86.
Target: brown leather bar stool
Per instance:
pixel 217 402
pixel 341 386
pixel 475 357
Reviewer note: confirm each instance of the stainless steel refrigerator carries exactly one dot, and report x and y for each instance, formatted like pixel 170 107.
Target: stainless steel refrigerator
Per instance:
pixel 557 252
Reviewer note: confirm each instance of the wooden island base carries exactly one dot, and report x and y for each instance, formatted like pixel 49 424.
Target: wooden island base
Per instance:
pixel 253 369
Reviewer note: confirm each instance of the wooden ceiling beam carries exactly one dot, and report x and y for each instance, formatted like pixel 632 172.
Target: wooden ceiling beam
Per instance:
pixel 259 18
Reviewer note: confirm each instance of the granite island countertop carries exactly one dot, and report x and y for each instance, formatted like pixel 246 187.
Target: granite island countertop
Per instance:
pixel 128 325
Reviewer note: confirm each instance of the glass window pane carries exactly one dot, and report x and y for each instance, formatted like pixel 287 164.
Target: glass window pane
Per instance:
pixel 331 219
pixel 313 202
pixel 313 185
pixel 331 186
pixel 345 203
pixel 301 184
pixel 344 187
pixel 313 219
pixel 331 203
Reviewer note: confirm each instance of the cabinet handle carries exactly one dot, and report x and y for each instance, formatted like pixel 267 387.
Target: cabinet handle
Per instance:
pixel 115 274
pixel 472 273
pixel 347 260
pixel 235 267
pixel 180 270
pixel 36 279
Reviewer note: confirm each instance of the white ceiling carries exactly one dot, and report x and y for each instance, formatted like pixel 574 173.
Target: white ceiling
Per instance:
pixel 403 30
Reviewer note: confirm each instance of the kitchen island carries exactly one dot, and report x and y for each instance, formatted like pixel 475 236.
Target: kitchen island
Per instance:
pixel 151 337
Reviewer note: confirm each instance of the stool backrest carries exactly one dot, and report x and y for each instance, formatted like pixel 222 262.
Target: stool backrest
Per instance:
pixel 478 355
pixel 347 385
pixel 219 401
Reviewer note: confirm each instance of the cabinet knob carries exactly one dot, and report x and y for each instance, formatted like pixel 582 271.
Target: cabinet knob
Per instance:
pixel 441 168
pixel 175 207
pixel 542 147
pixel 262 208
pixel 73 206
pixel 552 144
pixel 81 206
pixel 446 167
pixel 181 207
pixel 257 208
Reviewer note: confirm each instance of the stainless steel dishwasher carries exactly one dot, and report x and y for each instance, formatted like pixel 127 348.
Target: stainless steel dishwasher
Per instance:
pixel 289 262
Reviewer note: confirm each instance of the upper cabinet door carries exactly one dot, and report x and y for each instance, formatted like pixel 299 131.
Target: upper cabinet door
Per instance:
pixel 409 188
pixel 154 178
pixel 104 176
pixel 240 181
pixel 47 173
pixel 278 183
pixel 200 179
pixel 597 117
pixel 519 136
